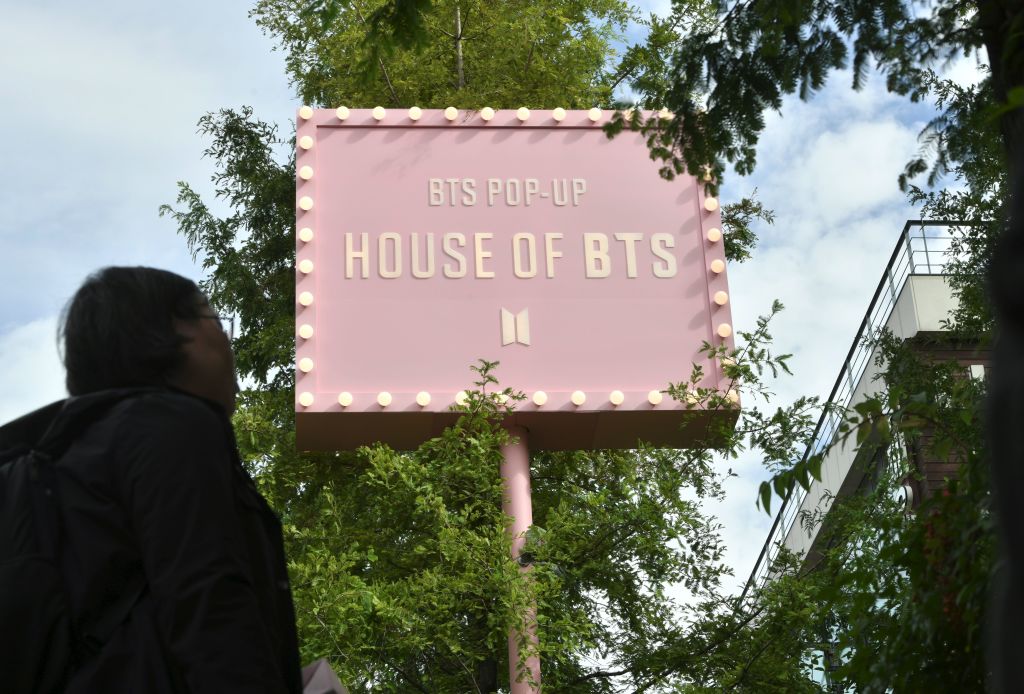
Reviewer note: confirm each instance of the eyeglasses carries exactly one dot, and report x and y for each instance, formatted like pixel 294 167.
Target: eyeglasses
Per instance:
pixel 227 323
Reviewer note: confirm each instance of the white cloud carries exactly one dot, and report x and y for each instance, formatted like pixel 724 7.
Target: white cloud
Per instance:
pixel 828 169
pixel 845 173
pixel 110 82
pixel 662 8
pixel 32 374
pixel 101 101
pixel 966 70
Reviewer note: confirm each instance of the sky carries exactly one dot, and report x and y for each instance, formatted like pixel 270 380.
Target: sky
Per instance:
pixel 99 108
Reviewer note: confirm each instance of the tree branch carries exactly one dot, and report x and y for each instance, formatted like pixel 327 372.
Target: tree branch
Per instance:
pixel 380 61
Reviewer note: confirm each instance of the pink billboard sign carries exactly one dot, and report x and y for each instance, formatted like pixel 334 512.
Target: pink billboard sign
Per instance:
pixel 428 240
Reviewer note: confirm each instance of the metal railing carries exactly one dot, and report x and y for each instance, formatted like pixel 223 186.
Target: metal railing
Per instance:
pixel 920 251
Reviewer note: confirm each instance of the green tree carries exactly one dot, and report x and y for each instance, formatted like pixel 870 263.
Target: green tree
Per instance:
pixel 963 145
pixel 893 601
pixel 901 596
pixel 896 601
pixel 726 74
pixel 401 565
pixel 400 561
pixel 466 53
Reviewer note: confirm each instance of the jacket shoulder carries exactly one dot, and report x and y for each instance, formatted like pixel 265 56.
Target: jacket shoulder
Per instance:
pixel 142 430
pixel 167 411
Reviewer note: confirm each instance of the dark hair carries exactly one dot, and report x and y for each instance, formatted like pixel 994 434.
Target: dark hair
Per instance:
pixel 118 329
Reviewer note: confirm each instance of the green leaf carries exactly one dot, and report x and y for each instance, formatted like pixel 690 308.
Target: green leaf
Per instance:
pixel 862 432
pixel 803 478
pixel 781 484
pixel 814 465
pixel 766 497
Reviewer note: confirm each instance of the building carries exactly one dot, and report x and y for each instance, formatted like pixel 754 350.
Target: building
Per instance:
pixel 913 300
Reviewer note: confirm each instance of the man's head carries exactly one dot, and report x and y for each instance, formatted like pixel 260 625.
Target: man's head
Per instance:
pixel 139 326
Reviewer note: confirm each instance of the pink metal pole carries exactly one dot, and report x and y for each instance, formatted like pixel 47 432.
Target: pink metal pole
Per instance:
pixel 515 471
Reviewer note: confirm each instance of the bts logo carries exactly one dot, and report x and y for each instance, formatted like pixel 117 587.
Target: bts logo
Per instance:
pixel 515 328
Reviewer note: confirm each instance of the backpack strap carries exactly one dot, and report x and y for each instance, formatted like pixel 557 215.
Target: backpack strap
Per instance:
pixel 44 503
pixel 93 636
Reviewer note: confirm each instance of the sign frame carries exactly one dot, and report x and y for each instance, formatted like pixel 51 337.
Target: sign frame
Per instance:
pixel 600 414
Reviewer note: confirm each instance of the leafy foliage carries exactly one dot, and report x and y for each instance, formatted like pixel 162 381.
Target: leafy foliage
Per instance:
pixel 727 73
pixel 898 598
pixel 738 220
pixel 647 66
pixel 409 53
pixel 963 144
pixel 907 592
pixel 400 561
pixel 248 255
pixel 920 621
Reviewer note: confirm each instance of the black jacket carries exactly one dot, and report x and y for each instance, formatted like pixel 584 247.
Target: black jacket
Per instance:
pixel 154 487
